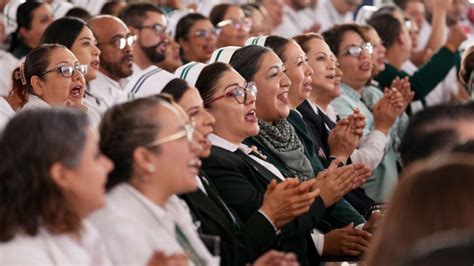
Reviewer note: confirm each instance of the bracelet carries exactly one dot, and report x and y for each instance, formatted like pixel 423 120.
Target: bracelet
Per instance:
pixel 373 208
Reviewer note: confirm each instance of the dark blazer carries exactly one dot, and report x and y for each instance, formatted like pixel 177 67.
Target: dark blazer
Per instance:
pixel 338 215
pixel 240 243
pixel 320 125
pixel 242 182
pixel 317 124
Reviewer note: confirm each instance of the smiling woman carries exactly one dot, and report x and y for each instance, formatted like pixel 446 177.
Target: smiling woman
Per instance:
pixel 50 182
pixel 50 76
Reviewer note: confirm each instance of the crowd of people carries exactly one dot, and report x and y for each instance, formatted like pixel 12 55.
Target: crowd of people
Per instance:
pixel 272 132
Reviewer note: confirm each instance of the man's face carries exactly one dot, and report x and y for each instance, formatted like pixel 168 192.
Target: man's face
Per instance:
pixel 153 37
pixel 457 11
pixel 115 43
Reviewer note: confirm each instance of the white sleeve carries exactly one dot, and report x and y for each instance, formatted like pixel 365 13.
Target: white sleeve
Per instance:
pixel 318 240
pixel 371 149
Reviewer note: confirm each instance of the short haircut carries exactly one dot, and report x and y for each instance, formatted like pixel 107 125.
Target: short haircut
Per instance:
pixel 387 27
pixel 134 14
pixel 334 35
pixel 303 39
pixel 432 130
pixel 218 12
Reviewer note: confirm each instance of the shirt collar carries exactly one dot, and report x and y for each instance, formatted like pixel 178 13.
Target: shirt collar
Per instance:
pixel 222 143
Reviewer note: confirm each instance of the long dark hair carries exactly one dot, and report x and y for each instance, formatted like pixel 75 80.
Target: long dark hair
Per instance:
pixel 63 31
pixel 30 144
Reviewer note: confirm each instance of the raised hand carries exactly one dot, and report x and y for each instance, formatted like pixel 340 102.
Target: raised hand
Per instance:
pixel 334 182
pixel 342 140
pixel 404 87
pixel 347 241
pixel 385 113
pixel 284 201
pixel 362 172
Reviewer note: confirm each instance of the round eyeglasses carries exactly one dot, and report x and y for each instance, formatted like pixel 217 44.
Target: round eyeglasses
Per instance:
pixel 187 131
pixel 121 42
pixel 240 94
pixel 67 71
pixel 244 23
pixel 207 33
pixel 158 29
pixel 355 51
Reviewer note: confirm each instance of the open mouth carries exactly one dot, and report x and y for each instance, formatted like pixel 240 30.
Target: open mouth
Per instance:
pixel 307 85
pixel 128 59
pixel 365 66
pixel 194 165
pixel 205 142
pixel 283 97
pixel 251 116
pixel 76 91
pixel 95 64
pixel 209 49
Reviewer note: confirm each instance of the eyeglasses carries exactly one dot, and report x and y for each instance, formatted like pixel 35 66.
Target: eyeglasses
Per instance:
pixel 159 29
pixel 240 94
pixel 187 131
pixel 238 24
pixel 121 42
pixel 355 51
pixel 206 33
pixel 67 71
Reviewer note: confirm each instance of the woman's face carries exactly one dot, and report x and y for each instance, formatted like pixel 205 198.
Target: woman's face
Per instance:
pixel 192 104
pixel 172 59
pixel 234 121
pixel 53 87
pixel 378 57
pixel 235 29
pixel 201 41
pixel 299 72
pixel 86 51
pixel 323 62
pixel 86 181
pixel 273 86
pixel 357 68
pixel 41 18
pixel 176 164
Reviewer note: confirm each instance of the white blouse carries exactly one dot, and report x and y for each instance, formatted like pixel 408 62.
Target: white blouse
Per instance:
pixel 133 227
pixel 47 248
pixel 6 112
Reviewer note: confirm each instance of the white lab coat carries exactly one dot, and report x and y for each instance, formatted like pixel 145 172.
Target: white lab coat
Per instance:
pixel 6 112
pixel 47 248
pixel 133 227
pixel 8 63
pixel 103 93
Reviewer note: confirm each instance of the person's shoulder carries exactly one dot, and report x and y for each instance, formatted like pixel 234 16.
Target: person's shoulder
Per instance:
pixel 24 250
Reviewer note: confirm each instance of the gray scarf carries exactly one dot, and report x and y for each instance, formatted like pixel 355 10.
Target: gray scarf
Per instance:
pixel 281 139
